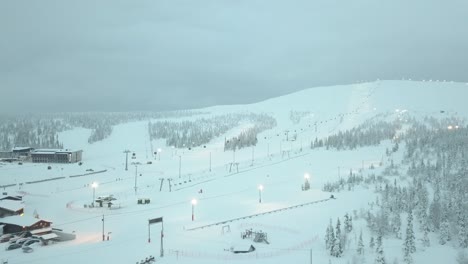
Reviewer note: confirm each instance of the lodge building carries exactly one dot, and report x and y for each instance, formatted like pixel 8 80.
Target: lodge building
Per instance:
pixel 56 156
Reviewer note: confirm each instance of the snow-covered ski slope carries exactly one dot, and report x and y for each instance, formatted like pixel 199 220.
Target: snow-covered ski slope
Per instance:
pixel 292 233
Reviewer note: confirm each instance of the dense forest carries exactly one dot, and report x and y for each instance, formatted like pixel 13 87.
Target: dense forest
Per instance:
pixel 426 188
pixel 193 133
pixel 41 130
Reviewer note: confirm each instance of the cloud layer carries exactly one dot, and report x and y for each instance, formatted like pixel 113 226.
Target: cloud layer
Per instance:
pixel 114 55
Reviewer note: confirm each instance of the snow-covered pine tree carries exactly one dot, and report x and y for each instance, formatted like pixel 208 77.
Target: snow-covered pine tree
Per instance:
pixel 346 219
pixel 329 235
pixel 425 240
pixel 408 244
pixel 332 240
pixel 407 258
pixel 372 242
pixel 462 235
pixel 360 248
pixel 396 224
pixel 348 222
pixel 435 211
pixel 379 257
pixel 422 204
pixel 444 233
pixel 338 246
pixel 378 244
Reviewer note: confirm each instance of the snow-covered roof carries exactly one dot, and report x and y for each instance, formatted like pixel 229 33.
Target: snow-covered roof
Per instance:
pixel 12 197
pixel 47 150
pixel 20 220
pixel 47 236
pixel 41 230
pixel 11 205
pixel 21 148
pixel 53 151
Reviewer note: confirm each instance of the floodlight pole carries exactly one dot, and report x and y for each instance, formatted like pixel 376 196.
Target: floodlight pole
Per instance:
pixel 180 165
pixel 136 172
pixel 103 235
pixel 193 212
pixel 162 236
pixel 94 192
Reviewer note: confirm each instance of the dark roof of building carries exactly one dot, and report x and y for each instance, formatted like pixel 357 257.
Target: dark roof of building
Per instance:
pixel 21 220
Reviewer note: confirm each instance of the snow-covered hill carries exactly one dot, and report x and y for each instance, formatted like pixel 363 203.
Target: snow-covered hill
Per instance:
pixel 276 162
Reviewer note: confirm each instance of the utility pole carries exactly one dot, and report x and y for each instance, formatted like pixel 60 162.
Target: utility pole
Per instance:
pixel 162 180
pixel 170 185
pixel 162 236
pixel 126 158
pixel 136 174
pixel 103 236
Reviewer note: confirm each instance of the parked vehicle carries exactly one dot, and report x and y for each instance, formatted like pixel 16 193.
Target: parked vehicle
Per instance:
pixel 13 246
pixel 32 242
pixel 27 249
pixel 22 240
pixel 5 238
pixel 19 237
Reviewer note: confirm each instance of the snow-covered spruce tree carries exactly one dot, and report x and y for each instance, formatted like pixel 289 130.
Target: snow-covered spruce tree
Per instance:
pixel 422 202
pixel 329 236
pixel 396 224
pixel 425 240
pixel 407 258
pixel 360 247
pixel 337 250
pixel 444 233
pixel 409 243
pixel 410 238
pixel 348 223
pixel 332 240
pixel 378 243
pixel 435 211
pixel 379 257
pixel 462 234
pixel 372 242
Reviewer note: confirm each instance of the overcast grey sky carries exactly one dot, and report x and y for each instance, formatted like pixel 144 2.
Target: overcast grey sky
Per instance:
pixel 114 55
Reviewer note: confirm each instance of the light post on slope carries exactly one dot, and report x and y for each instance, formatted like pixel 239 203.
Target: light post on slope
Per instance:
pixel 94 185
pixel 180 165
pixel 260 190
pixel 307 183
pixel 159 153
pixel 136 173
pixel 194 202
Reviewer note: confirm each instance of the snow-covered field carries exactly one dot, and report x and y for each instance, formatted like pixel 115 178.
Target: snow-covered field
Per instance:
pixel 295 235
